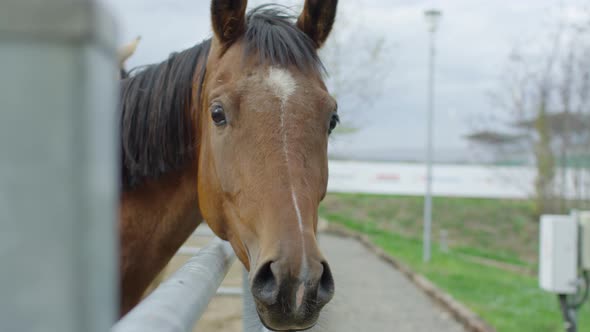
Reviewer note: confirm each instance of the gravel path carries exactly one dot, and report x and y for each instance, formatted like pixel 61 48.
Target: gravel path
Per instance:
pixel 373 296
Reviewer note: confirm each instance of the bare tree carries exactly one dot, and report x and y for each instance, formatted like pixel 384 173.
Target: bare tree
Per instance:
pixel 545 99
pixel 359 62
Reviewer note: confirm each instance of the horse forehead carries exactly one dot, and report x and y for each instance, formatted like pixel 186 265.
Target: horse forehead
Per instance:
pixel 278 82
pixel 281 82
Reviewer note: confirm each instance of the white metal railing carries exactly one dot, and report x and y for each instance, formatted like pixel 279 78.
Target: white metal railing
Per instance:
pixel 206 232
pixel 181 300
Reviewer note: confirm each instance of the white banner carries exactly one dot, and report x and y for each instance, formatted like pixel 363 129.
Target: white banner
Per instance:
pixel 448 180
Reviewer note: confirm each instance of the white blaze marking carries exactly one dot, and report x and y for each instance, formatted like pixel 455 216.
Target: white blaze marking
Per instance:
pixel 283 85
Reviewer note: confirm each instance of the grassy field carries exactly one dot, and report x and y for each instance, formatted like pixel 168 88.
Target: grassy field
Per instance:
pixel 492 261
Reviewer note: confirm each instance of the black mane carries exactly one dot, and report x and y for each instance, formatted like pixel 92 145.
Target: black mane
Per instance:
pixel 156 129
pixel 156 100
pixel 272 34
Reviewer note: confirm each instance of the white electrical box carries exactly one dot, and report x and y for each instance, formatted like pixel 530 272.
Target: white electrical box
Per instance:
pixel 584 218
pixel 558 254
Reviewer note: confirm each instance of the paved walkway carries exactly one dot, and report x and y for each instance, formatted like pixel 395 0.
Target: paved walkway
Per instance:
pixel 373 296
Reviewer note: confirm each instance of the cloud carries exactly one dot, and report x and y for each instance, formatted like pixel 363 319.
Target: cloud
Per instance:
pixel 474 41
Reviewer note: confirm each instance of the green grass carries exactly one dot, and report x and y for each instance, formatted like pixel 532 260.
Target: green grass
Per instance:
pixel 507 300
pixel 497 229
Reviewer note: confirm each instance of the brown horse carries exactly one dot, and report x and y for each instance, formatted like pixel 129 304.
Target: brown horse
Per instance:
pixel 234 131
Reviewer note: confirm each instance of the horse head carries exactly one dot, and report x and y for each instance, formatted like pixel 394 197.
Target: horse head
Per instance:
pixel 264 122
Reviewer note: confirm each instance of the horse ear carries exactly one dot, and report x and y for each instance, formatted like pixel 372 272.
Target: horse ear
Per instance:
pixel 127 51
pixel 229 19
pixel 317 19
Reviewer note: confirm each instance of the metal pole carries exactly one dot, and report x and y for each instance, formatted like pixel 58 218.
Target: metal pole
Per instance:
pixel 569 314
pixel 250 320
pixel 426 255
pixel 58 174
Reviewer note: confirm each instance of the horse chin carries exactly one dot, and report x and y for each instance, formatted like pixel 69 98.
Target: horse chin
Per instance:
pixel 269 328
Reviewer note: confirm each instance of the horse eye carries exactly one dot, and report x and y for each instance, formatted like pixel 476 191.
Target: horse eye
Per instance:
pixel 218 116
pixel 334 121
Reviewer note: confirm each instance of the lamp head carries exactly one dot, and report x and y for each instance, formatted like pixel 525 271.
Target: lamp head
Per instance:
pixel 432 18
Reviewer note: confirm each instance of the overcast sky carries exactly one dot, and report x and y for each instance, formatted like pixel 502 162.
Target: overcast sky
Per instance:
pixel 474 41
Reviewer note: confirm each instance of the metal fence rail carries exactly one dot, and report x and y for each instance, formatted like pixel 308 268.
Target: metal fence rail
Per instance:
pixel 181 300
pixel 205 232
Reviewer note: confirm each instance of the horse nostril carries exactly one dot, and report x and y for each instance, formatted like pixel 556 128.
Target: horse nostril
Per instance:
pixel 264 285
pixel 326 286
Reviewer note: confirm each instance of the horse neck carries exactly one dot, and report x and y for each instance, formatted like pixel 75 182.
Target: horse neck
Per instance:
pixel 155 220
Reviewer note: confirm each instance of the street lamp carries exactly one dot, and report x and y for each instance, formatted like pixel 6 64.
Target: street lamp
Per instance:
pixel 432 18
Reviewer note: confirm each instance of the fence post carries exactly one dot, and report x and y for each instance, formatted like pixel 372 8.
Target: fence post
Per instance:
pixel 57 166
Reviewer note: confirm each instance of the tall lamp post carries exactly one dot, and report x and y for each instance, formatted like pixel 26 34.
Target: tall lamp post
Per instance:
pixel 432 18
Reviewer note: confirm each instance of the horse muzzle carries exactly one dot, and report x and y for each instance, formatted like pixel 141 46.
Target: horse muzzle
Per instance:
pixel 291 303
